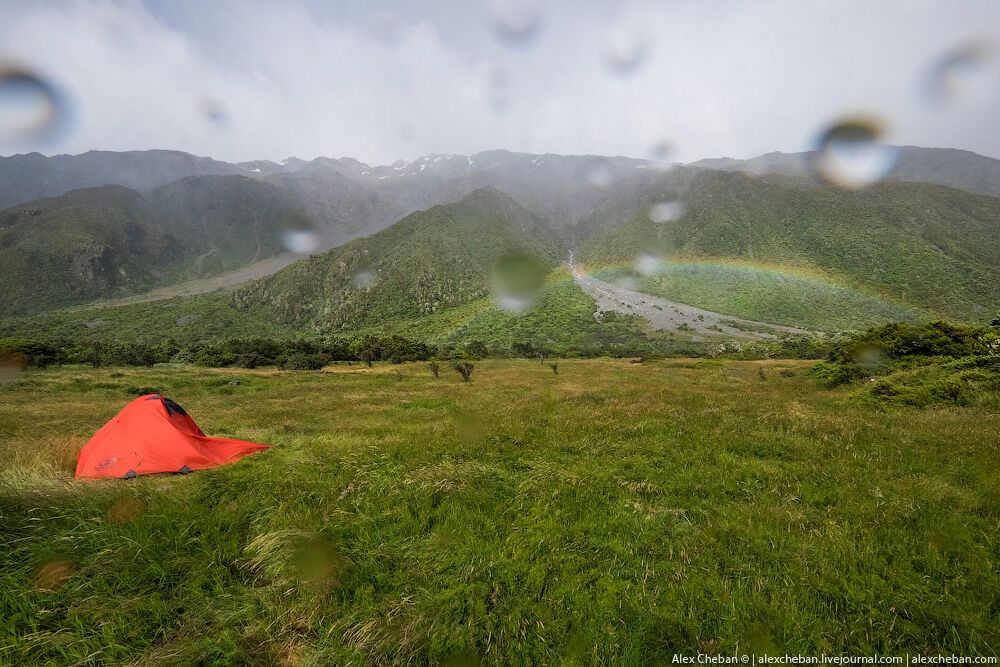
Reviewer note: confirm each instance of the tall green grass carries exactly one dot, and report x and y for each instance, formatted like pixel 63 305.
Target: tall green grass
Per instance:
pixel 611 514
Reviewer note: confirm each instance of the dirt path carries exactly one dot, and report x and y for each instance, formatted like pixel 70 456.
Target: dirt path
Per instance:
pixel 264 267
pixel 669 315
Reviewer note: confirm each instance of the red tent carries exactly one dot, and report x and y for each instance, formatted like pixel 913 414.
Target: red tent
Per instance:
pixel 153 434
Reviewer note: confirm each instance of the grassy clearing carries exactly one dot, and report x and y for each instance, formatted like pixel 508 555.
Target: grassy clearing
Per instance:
pixel 610 514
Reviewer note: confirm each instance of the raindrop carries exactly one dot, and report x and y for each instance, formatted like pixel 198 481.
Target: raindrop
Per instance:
pixel 667 211
pixel 386 29
pixel 850 156
pixel 870 359
pixel 468 426
pixel 126 509
pixel 363 279
pixel 31 109
pixel 515 22
pixel 497 92
pixel 627 281
pixel 53 574
pixel 659 154
pixel 601 174
pixel 625 51
pixel 299 236
pixel 11 364
pixel 661 150
pixel 648 265
pixel 301 242
pixel 517 280
pixel 212 110
pixel 965 74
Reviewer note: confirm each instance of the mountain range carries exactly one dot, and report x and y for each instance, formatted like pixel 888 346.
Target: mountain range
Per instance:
pixel 959 169
pixel 412 238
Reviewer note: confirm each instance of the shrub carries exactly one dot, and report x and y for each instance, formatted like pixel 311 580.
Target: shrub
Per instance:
pixel 31 352
pixel 302 361
pixel 464 368
pixel 214 358
pixel 248 360
pixel 899 340
pixel 434 368
pixel 367 349
pixel 834 374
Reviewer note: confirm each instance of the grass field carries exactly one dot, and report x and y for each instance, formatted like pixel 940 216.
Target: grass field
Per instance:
pixel 610 514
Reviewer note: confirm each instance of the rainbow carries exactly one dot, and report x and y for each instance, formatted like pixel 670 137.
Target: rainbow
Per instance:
pixel 737 275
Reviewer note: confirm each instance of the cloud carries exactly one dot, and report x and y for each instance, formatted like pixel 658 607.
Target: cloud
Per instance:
pixel 264 79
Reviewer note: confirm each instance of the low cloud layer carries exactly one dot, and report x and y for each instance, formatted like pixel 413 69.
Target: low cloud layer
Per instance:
pixel 261 79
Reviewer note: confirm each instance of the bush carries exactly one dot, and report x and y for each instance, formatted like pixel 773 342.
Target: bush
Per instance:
pixel 248 360
pixel 834 374
pixel 303 361
pixel 885 349
pixel 215 358
pixel 464 368
pixel 31 353
pixel 899 340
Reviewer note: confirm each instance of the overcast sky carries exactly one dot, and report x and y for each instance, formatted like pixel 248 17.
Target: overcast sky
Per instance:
pixel 247 79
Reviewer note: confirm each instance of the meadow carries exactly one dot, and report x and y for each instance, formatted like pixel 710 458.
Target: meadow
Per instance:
pixel 612 513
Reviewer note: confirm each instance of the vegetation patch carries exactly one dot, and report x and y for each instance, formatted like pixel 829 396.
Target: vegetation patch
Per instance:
pixel 617 512
pixel 918 365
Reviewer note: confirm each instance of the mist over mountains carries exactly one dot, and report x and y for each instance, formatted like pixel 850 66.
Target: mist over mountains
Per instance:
pixel 105 224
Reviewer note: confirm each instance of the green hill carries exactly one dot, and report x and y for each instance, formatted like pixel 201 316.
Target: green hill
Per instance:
pixel 912 246
pixel 429 261
pixel 110 241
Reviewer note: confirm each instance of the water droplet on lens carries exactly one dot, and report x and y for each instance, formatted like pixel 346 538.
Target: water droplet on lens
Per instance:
pixel 301 242
pixel 363 279
pixel 850 156
pixel 966 74
pixel 299 236
pixel 649 265
pixel 497 92
pixel 625 51
pixel 661 150
pixel 11 365
pixel 870 359
pixel 515 22
pixel 386 29
pixel 517 280
pixel 126 510
pixel 601 174
pixel 212 110
pixel 660 154
pixel 667 211
pixel 468 426
pixel 53 574
pixel 31 109
pixel 626 281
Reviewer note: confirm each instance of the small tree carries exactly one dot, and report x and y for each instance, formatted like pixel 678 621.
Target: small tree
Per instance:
pixel 367 349
pixel 434 368
pixel 555 367
pixel 96 360
pixel 464 368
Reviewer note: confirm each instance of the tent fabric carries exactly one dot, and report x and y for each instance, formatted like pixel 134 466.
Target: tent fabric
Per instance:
pixel 152 434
